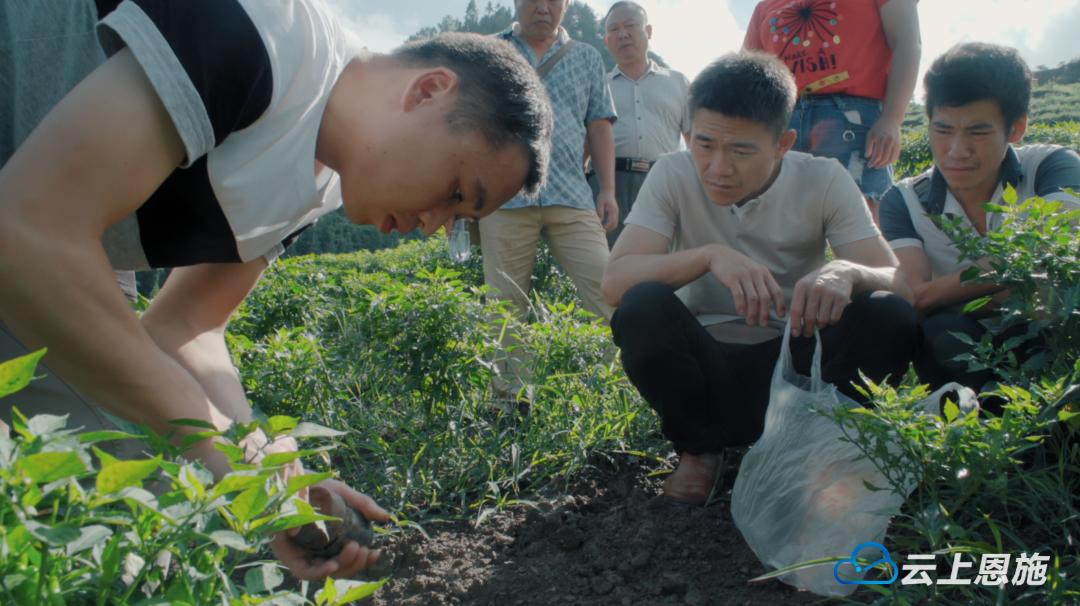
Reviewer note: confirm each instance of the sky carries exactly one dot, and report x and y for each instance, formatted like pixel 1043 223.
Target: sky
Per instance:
pixel 689 34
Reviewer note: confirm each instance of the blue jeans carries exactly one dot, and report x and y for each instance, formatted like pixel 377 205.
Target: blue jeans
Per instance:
pixel 835 126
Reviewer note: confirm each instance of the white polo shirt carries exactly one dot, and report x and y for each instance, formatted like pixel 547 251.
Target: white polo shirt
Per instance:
pixel 653 111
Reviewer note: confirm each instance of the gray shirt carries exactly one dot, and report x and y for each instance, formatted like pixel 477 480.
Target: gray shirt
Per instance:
pixel 908 211
pixel 653 111
pixel 812 203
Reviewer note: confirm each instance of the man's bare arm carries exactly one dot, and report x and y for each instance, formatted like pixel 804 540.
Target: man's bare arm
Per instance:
pixel 900 20
pixel 820 297
pixel 641 255
pixel 188 318
pixel 99 155
pixel 933 293
pixel 600 145
pixel 873 266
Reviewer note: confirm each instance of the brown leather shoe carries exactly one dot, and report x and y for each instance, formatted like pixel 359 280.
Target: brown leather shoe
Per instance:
pixel 692 481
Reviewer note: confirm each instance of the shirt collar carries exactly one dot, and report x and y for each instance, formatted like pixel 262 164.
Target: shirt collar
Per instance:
pixel 1010 173
pixel 650 68
pixel 765 196
pixel 560 38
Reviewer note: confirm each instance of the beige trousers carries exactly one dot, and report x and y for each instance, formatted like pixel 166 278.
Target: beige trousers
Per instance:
pixel 575 236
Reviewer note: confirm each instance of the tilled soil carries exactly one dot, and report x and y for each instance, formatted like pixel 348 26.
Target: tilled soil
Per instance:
pixel 612 540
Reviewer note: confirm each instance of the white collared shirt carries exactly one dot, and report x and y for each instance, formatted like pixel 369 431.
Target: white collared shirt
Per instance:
pixel 653 111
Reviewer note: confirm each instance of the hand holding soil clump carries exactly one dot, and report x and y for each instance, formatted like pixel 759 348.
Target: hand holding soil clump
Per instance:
pixel 351 526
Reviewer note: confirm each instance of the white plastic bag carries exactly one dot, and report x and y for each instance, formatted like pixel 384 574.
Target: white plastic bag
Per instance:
pixel 800 492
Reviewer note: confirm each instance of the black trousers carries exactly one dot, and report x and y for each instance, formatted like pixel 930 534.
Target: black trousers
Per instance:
pixel 936 360
pixel 711 395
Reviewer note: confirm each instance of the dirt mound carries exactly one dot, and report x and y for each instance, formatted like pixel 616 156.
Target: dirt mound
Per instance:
pixel 610 541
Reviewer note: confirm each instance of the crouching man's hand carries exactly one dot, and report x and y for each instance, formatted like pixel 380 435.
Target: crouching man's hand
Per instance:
pixel 753 287
pixel 353 558
pixel 820 297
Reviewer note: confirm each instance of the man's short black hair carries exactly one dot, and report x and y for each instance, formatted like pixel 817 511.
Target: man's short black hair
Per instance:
pixel 499 94
pixel 749 84
pixel 977 71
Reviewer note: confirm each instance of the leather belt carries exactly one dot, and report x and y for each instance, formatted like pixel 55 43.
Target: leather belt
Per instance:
pixel 633 165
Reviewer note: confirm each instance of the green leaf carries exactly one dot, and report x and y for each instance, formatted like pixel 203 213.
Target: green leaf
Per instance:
pixel 352 591
pixel 45 467
pixel 234 452
pixel 230 539
pixel 1009 195
pixel 970 274
pixel 779 572
pixel 18 539
pixel 110 558
pixel 263 578
pixel 280 424
pixel 43 425
pixel 135 494
pixel 239 480
pixel 951 410
pixel 298 483
pixel 328 594
pixel 103 457
pixel 133 565
pixel 977 304
pixel 249 503
pixel 54 536
pixel 304 514
pixel 17 374
pixel 196 423
pixel 12 581
pixel 281 458
pixel 7 450
pixel 194 438
pixel 283 523
pixel 93 437
pixel 89 536
pixel 314 430
pixel 195 479
pixel 121 474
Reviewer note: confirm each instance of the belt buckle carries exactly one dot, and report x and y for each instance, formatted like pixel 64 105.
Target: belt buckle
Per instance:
pixel 640 166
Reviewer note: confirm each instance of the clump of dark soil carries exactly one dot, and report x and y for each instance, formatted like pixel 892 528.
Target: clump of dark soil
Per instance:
pixel 611 540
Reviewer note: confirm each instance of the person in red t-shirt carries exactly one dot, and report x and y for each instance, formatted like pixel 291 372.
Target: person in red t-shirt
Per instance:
pixel 855 64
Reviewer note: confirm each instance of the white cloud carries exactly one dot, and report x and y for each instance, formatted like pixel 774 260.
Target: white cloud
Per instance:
pixel 688 34
pixel 1022 24
pixel 379 32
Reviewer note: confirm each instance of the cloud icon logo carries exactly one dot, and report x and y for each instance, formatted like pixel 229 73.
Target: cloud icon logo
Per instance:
pixel 855 573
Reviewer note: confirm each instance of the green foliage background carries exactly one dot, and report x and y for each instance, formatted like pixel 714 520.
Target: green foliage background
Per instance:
pixel 400 348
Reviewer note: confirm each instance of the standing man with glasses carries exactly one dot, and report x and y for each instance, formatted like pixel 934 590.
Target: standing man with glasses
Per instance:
pixel 650 100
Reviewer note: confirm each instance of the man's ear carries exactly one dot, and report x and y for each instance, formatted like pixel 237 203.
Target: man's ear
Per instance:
pixel 433 85
pixel 786 142
pixel 1018 129
pixel 648 32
